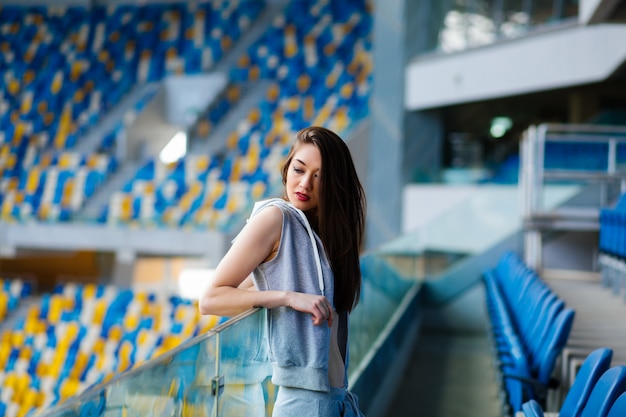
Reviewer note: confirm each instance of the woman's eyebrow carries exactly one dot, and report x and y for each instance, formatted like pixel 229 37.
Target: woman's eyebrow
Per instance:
pixel 300 160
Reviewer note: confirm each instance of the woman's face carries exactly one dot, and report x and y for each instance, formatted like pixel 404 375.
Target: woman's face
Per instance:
pixel 303 177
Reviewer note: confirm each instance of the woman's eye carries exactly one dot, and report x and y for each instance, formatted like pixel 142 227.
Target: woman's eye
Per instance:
pixel 298 170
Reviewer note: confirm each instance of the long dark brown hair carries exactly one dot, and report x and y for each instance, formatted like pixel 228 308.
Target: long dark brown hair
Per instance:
pixel 340 213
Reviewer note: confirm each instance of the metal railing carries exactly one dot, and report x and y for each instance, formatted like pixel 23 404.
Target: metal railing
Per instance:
pixel 591 157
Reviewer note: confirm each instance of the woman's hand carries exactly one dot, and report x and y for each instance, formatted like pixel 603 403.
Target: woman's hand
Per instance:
pixel 317 305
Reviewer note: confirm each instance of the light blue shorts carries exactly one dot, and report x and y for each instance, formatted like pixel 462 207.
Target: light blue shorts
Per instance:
pixel 338 402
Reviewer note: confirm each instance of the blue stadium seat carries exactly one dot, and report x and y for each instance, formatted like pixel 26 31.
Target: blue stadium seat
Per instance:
pixel 594 366
pixel 605 392
pixel 526 353
pixel 618 409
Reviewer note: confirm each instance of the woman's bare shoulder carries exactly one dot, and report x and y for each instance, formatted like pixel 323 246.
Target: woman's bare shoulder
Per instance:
pixel 268 220
pixel 271 213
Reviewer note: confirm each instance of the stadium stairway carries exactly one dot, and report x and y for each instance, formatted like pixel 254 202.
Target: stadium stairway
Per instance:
pixel 19 313
pixel 93 139
pixel 217 139
pixel 256 30
pixel 94 206
pixel 597 323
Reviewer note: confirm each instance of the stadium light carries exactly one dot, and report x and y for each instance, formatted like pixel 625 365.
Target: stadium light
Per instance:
pixel 175 149
pixel 499 126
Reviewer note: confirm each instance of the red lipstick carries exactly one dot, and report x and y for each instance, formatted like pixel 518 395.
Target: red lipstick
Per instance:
pixel 302 197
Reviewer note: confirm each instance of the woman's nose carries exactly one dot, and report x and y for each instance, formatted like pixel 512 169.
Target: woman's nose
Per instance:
pixel 307 181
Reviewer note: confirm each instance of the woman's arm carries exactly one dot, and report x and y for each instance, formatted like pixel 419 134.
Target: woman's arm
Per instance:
pixel 247 284
pixel 253 245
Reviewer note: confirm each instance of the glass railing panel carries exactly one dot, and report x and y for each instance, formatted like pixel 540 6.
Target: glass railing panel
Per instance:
pixel 184 381
pixel 383 290
pixel 243 370
pixel 424 264
pixel 226 372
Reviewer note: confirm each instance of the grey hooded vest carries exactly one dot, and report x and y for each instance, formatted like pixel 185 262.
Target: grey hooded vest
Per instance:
pixel 298 350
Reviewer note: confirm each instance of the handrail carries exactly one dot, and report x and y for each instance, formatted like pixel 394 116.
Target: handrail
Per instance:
pixel 166 357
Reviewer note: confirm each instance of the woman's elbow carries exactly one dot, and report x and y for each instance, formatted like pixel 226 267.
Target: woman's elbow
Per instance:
pixel 204 304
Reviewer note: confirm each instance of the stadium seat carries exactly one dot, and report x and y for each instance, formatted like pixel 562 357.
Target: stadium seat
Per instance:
pixel 594 366
pixel 525 352
pixel 618 409
pixel 605 392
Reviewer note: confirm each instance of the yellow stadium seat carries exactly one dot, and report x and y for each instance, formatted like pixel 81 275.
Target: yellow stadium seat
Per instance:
pixel 26 352
pixel 4 302
pixel 31 399
pixel 98 347
pixel 330 49
pixel 5 352
pixel 9 381
pixel 203 128
pixel 131 322
pixel 17 338
pixel 27 102
pixel 20 130
pixel 243 61
pixel 68 190
pixel 54 311
pixel 258 190
pixel 125 359
pixel 57 83
pixel 115 333
pixel 226 42
pixel 233 93
pixel 42 107
pixel 291 49
pixel 303 83
pixel 99 312
pixel 13 87
pixel 80 363
pixel 309 108
pixel 231 141
pixel 347 90
pixel 21 383
pixel 254 73
pixel 69 387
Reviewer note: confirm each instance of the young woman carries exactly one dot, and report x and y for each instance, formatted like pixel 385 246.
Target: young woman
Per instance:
pixel 302 253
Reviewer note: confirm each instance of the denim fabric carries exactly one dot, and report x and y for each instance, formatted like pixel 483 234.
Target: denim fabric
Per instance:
pixel 305 403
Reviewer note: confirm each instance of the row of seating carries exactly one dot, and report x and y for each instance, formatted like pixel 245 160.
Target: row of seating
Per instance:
pixel 83 334
pixel 581 155
pixel 12 293
pixel 60 78
pixel 599 390
pixel 332 41
pixel 612 246
pixel 104 51
pixel 55 185
pixel 332 92
pixel 529 325
pixel 612 240
pixel 185 191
